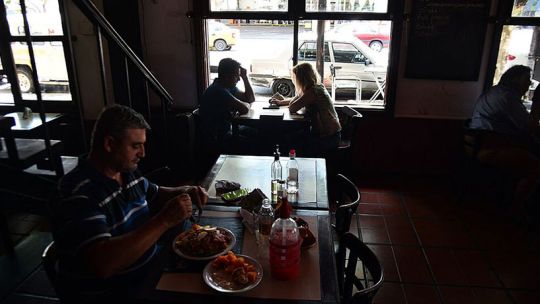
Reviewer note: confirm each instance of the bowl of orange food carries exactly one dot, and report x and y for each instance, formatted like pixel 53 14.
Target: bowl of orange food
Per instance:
pixel 232 273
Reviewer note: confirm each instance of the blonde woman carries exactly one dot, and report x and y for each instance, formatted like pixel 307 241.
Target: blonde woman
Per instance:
pixel 311 95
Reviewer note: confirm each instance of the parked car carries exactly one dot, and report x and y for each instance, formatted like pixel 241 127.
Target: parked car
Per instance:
pixel 353 62
pixel 220 36
pixel 50 62
pixel 372 33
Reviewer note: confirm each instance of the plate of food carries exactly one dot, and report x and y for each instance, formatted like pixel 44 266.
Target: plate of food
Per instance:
pixel 203 242
pixel 232 273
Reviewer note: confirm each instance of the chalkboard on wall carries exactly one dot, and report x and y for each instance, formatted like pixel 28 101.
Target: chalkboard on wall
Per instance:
pixel 446 39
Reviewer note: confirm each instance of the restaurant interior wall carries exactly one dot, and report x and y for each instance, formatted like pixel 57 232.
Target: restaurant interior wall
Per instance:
pixel 169 51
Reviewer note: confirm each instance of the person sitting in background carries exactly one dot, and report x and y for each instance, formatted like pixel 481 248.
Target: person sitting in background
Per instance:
pixel 312 95
pixel 222 99
pixel 511 144
pixel 103 229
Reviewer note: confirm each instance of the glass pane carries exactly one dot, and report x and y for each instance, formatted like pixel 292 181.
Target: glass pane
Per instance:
pixel 365 6
pixel 51 70
pixel 263 47
pixel 252 6
pixel 519 46
pixel 6 98
pixel 526 8
pixel 43 17
pixel 356 59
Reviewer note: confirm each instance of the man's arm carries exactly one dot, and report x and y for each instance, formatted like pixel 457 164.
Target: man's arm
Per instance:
pixel 107 257
pixel 248 95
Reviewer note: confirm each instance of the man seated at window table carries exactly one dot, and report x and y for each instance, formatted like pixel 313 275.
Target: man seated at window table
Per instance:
pixel 222 99
pixel 512 143
pixel 104 232
pixel 312 95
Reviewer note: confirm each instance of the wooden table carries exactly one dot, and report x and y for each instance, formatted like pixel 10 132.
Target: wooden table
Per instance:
pixel 318 284
pixel 254 172
pixel 270 119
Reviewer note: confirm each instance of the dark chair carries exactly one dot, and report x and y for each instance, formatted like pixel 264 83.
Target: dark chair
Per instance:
pixel 339 159
pixel 366 279
pixel 347 201
pixel 50 264
pixel 50 258
pixel 475 175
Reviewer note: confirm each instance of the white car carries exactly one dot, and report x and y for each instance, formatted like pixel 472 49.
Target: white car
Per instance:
pixel 354 63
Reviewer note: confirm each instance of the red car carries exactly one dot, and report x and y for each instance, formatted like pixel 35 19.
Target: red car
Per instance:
pixel 375 34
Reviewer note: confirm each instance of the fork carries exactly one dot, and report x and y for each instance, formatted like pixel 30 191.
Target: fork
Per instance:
pixel 198 218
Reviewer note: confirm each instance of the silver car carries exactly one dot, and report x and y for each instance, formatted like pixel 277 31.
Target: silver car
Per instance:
pixel 355 66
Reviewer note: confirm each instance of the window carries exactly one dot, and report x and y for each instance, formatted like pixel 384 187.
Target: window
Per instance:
pixel 49 51
pixel 308 52
pixel 519 43
pixel 260 35
pixel 260 5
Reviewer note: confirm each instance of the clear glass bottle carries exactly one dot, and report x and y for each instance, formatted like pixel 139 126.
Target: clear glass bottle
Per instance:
pixel 292 173
pixel 285 244
pixel 276 176
pixel 265 219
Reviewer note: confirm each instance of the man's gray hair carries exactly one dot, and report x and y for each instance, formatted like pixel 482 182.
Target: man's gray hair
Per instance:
pixel 114 121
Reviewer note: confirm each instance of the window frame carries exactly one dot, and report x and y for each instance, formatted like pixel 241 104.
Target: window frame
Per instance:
pixel 296 13
pixel 503 18
pixel 49 105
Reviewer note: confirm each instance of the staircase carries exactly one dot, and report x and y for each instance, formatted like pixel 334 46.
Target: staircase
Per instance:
pixel 31 162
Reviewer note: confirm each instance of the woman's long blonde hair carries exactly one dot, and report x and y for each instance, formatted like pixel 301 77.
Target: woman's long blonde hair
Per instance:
pixel 304 77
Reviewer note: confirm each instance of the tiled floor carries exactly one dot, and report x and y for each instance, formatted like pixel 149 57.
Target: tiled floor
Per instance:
pixel 433 249
pixel 437 250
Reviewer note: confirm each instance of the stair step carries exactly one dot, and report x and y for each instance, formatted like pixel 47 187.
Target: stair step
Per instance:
pixel 30 151
pixel 68 162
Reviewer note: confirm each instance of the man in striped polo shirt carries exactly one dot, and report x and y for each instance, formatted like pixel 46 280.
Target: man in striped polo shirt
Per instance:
pixel 104 231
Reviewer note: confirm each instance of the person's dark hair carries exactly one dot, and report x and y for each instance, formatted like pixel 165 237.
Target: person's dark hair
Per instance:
pixel 227 66
pixel 514 75
pixel 114 121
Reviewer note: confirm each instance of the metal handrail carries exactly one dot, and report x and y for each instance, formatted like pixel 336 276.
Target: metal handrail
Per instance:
pixel 95 16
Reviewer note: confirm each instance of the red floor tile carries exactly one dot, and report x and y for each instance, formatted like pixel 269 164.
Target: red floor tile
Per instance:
pixel 445 266
pixel 418 294
pixel 491 296
pixel 368 221
pixel 457 295
pixel 427 208
pixel 526 297
pixel 375 235
pixel 516 269
pixel 462 295
pixel 442 234
pixel 369 209
pixel 461 267
pixel 400 230
pixel 369 197
pixel 475 266
pixel 390 293
pixel 386 257
pixel 390 198
pixel 411 265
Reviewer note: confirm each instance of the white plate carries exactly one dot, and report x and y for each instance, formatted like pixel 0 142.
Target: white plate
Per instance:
pixel 208 276
pixel 204 258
